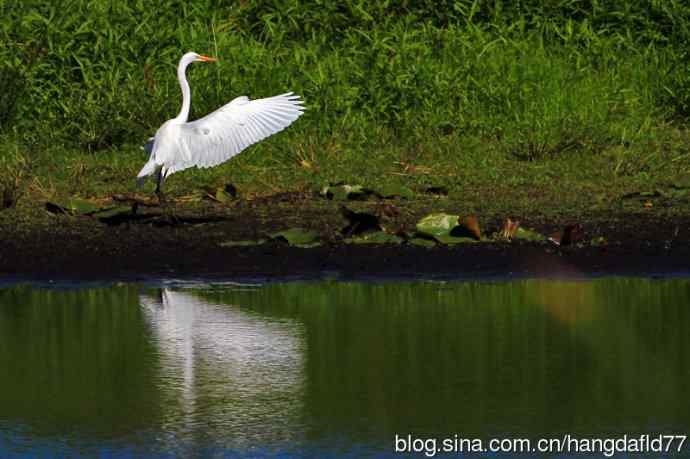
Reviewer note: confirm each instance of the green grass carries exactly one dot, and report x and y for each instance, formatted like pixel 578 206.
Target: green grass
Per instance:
pixel 515 104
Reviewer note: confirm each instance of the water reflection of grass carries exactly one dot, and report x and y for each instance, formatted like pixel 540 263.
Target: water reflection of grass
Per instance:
pixel 76 360
pixel 529 357
pixel 532 356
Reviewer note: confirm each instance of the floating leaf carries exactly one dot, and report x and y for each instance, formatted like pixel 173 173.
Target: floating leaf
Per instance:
pixel 644 195
pixel 340 193
pixel 72 206
pixel 437 224
pixel 345 192
pixel 451 239
pixel 651 194
pixel 599 242
pixel 379 237
pixel 443 228
pixel 299 237
pixel 321 190
pixel 245 243
pixel 422 242
pixel 112 212
pixel 356 192
pixel 527 234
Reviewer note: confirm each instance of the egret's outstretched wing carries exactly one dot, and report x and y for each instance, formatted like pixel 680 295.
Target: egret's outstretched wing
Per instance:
pixel 224 133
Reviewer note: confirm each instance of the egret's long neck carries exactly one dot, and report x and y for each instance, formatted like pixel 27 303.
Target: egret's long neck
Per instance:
pixel 186 92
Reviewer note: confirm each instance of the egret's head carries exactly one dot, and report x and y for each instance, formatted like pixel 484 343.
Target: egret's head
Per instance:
pixel 194 57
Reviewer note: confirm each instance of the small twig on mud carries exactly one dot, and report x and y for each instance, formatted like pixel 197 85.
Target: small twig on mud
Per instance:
pixel 132 199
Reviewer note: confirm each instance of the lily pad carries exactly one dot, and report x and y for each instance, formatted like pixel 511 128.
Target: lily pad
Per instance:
pixel 599 242
pixel 345 192
pixel 112 212
pixel 644 195
pixel 450 239
pixel 379 237
pixel 527 234
pixel 72 206
pixel 437 224
pixel 298 237
pixel 422 242
pixel 444 228
pixel 245 243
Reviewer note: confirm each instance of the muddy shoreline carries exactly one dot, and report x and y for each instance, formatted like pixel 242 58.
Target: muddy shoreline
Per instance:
pixel 70 248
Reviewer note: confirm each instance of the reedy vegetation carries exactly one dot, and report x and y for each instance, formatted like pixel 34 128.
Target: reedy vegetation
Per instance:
pixel 460 84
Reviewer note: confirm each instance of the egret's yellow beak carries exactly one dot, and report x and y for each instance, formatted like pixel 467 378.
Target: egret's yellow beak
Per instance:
pixel 207 59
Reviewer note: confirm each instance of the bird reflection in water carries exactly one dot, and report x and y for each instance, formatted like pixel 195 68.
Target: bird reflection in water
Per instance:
pixel 226 368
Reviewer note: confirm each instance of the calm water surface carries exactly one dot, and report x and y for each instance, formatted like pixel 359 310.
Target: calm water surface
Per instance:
pixel 337 369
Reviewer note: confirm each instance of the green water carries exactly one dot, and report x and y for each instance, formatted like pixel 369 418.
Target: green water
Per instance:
pixel 331 369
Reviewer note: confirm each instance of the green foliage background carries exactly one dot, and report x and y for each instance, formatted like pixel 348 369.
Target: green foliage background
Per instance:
pixel 513 79
pixel 101 72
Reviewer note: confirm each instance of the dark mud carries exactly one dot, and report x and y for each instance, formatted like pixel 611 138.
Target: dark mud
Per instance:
pixel 180 243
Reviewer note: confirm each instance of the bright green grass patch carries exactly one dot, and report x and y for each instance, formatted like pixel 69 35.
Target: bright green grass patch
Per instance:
pixel 541 81
pixel 521 103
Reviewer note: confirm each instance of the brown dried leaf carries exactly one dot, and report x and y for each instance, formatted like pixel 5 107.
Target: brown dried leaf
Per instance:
pixel 472 226
pixel 510 227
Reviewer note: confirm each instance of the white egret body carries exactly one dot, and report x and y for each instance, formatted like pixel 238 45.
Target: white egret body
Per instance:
pixel 218 136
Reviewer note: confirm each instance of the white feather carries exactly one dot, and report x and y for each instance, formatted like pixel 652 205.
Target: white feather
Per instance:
pixel 217 137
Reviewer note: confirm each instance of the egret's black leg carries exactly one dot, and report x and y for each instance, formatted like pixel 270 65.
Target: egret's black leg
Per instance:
pixel 168 210
pixel 159 193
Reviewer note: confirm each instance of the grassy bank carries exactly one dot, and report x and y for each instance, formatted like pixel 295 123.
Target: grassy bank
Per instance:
pixel 522 105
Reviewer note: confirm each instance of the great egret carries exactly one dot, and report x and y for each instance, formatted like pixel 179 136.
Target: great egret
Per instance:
pixel 218 136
